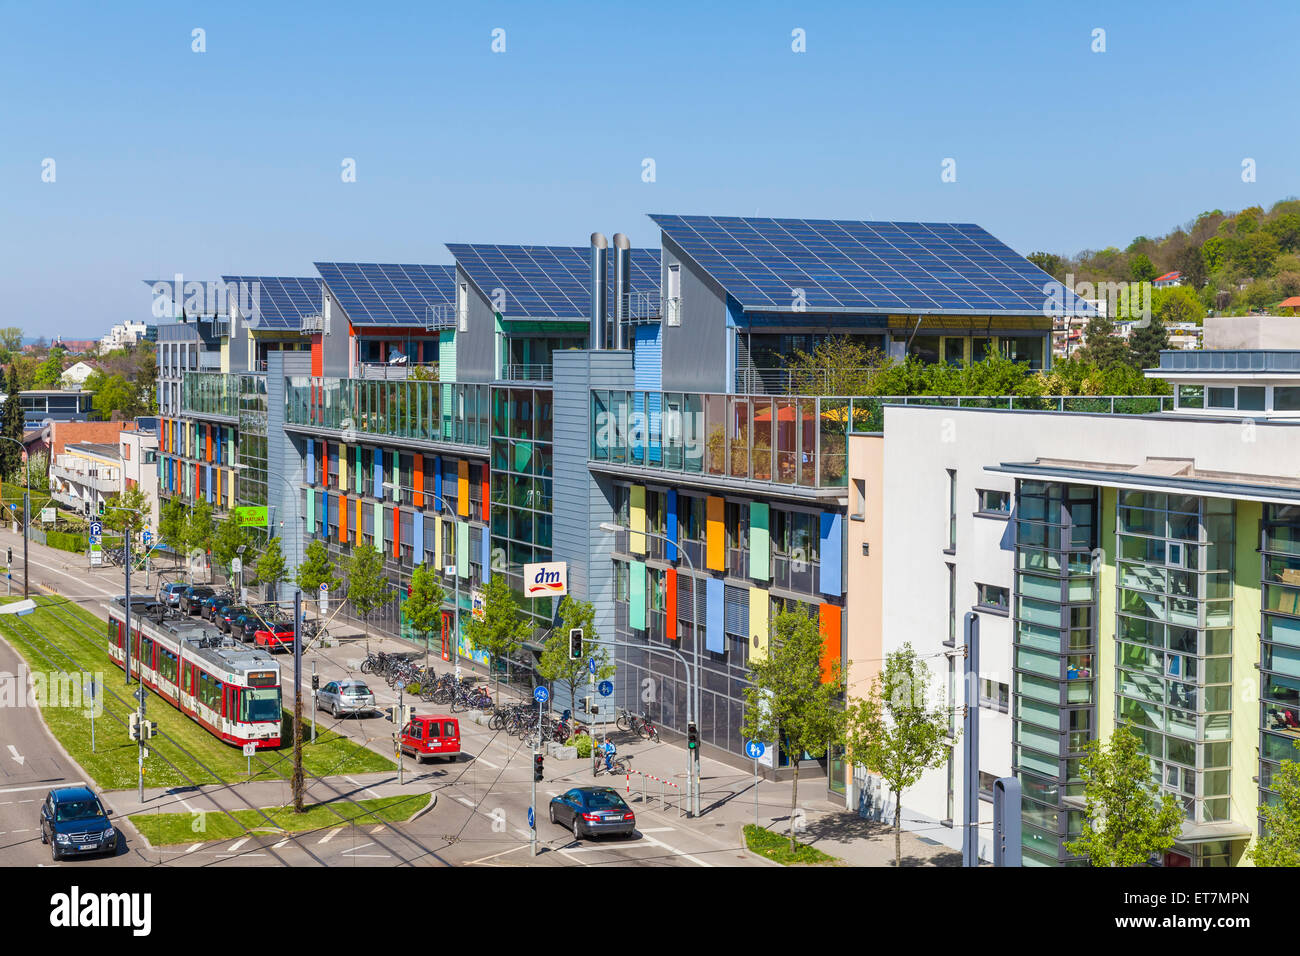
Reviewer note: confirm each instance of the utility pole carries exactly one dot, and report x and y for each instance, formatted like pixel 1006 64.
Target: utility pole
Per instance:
pixel 398 726
pixel 27 521
pixel 127 643
pixel 971 742
pixel 297 701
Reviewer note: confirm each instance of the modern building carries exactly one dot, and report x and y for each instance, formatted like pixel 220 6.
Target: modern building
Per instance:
pixel 43 405
pixel 139 455
pixel 124 335
pixel 86 476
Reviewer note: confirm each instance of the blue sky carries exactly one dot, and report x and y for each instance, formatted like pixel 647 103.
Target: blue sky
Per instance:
pixel 229 161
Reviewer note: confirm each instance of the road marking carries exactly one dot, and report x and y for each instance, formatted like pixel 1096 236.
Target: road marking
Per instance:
pixel 13 752
pixel 26 801
pixel 194 847
pixel 238 844
pixel 655 829
pixel 355 848
pixel 467 802
pixel 280 844
pixel 487 763
pixel 329 836
pixel 484 859
pixel 364 789
pixel 373 856
pixel 379 828
pixel 672 849
pixel 576 859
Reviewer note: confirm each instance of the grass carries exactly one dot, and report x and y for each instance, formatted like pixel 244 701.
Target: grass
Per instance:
pixel 776 846
pixel 197 756
pixel 163 829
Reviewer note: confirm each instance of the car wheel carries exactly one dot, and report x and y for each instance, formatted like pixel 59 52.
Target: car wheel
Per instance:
pixel 577 829
pixel 551 812
pixel 54 853
pixel 335 711
pixel 45 840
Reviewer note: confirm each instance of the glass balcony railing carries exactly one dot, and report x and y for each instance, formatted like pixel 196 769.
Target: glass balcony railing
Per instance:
pixel 427 411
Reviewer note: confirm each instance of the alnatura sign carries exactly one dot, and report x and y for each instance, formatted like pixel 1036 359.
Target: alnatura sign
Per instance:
pixel 550 579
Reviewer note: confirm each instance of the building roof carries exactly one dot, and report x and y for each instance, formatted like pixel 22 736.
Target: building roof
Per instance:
pixel 1169 277
pixel 867 267
pixel 389 294
pixel 95 448
pixel 275 302
pixel 172 297
pixel 1159 474
pixel 1290 303
pixel 547 282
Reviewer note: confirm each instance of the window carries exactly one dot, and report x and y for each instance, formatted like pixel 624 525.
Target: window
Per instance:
pixel 952 510
pixel 994 696
pixel 1250 398
pixel 994 502
pixel 1286 398
pixel 859 499
pixel 1220 398
pixel 991 596
pixel 952 605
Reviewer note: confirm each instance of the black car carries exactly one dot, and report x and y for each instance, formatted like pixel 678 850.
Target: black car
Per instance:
pixel 192 598
pixel 225 618
pixel 210 607
pixel 75 823
pixel 591 811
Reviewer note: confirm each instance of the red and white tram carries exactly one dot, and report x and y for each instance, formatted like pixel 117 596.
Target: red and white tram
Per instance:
pixel 230 689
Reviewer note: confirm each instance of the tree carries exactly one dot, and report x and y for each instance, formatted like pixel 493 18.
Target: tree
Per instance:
pixel 897 733
pixel 367 586
pixel 11 426
pixel 502 628
pixel 1279 843
pixel 423 607
pixel 114 396
pixel 271 568
pixel 557 665
pixel 1178 303
pixel 1050 263
pixel 1103 347
pixel 128 513
pixel 12 339
pixel 792 698
pixel 317 569
pixel 199 530
pixel 227 539
pixel 50 372
pixel 171 524
pixel 1141 268
pixel 1146 342
pixel 837 365
pixel 1126 819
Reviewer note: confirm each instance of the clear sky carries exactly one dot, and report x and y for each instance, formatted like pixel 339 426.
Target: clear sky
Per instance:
pixel 229 161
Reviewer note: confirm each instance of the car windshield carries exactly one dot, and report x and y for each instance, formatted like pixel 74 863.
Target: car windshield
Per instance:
pixel 78 810
pixel 605 800
pixel 261 703
pixel 359 689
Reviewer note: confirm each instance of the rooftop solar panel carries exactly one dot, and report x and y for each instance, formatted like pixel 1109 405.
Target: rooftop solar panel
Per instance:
pixel 546 282
pixel 275 302
pixel 388 293
pixel 848 266
pixel 201 297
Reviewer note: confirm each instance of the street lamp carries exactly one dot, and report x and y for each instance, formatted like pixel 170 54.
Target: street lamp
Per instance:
pixel 693 695
pixel 27 517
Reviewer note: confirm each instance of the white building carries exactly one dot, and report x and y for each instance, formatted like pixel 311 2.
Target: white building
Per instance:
pixel 122 335
pixel 139 453
pixel 76 375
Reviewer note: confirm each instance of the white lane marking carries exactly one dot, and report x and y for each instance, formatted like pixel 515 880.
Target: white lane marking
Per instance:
pixel 523 833
pixel 655 829
pixel 26 801
pixel 235 846
pixel 378 829
pixel 487 763
pixel 194 847
pixel 373 856
pixel 467 802
pixel 282 843
pixel 13 752
pixel 363 789
pixel 329 836
pixel 355 848
pixel 484 859
pixel 672 849
pixel 576 859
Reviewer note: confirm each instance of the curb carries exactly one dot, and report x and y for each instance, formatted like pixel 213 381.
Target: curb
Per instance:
pixel 744 846
pixel 433 802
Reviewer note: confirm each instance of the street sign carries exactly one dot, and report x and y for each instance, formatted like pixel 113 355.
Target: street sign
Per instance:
pixel 324 599
pixel 236 566
pixel 591 664
pixel 47 516
pixel 530 818
pixel 541 695
pixel 549 579
pixel 605 687
pixel 96 529
pixel 251 516
pixel 755 749
pixel 146 537
pixel 250 750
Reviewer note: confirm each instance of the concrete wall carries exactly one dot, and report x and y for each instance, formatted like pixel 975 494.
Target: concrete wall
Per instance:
pixel 1252 332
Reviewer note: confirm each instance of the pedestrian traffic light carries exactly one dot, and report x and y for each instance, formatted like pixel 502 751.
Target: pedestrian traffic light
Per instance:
pixel 11 556
pixel 315 682
pixel 390 713
pixel 692 737
pixel 133 725
pixel 575 643
pixel 150 728
pixel 537 767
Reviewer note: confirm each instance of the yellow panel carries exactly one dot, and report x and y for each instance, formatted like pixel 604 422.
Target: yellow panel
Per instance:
pixel 758 613
pixel 716 540
pixel 462 488
pixel 437 543
pixel 636 542
pixel 343 467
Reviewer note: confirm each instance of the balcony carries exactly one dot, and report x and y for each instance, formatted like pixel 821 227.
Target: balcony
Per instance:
pixel 103 480
pixel 520 372
pixel 441 412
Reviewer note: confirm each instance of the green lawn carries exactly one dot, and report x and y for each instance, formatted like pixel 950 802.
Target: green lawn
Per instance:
pixel 162 829
pixel 200 757
pixel 776 846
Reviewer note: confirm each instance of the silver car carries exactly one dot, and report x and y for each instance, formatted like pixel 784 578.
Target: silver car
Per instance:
pixel 345 697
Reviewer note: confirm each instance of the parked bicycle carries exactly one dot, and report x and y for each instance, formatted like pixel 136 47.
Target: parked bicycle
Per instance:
pixel 641 725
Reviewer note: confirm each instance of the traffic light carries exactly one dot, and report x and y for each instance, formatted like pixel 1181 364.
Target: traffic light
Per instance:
pixel 315 682
pixel 692 737
pixel 537 767
pixel 575 643
pixel 133 725
pixel 11 556
pixel 390 713
pixel 582 705
pixel 150 728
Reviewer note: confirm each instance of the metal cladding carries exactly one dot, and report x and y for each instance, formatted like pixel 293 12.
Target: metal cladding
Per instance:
pixel 622 288
pixel 599 289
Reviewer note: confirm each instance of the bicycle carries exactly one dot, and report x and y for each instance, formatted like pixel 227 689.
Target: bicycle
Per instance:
pixel 618 764
pixel 641 725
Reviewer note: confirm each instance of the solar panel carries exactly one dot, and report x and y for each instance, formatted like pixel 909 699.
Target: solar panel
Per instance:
pixel 196 297
pixel 847 266
pixel 275 302
pixel 546 282
pixel 386 293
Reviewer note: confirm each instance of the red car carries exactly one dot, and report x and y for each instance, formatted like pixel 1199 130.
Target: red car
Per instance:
pixel 431 736
pixel 274 637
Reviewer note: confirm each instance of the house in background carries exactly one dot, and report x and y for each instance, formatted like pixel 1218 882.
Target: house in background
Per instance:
pixel 1168 280
pixel 77 374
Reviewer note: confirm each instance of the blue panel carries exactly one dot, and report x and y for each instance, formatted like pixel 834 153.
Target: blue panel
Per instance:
pixel 417 537
pixel 275 302
pixel 670 549
pixel 437 487
pixel 388 293
pixel 207 477
pixel 378 470
pixel 832 553
pixel 486 559
pixel 311 461
pixel 715 619
pixel 647 360
pixel 325 512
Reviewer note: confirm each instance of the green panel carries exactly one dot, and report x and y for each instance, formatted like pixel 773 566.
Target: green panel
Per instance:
pixel 447 356
pixel 462 549
pixel 358 474
pixel 636 596
pixel 379 526
pixel 760 542
pixel 311 512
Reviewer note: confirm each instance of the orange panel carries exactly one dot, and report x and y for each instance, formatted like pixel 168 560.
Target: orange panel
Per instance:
pixel 207 432
pixel 716 534
pixel 417 497
pixel 670 604
pixel 343 519
pixel 359 525
pixel 318 355
pixel 828 616
pixel 487 493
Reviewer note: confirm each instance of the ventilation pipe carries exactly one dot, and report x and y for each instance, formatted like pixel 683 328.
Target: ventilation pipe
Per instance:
pixel 622 290
pixel 599 289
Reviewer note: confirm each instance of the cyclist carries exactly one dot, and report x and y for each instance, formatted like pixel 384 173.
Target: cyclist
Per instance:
pixel 609 750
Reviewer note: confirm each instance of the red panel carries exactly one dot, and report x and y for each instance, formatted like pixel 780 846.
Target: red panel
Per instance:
pixel 317 355
pixel 670 609
pixel 828 616
pixel 487 492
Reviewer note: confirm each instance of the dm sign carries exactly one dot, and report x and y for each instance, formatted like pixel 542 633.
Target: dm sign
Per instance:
pixel 546 580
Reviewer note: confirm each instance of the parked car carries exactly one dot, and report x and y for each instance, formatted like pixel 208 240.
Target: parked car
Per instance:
pixel 345 697
pixel 227 615
pixel 592 811
pixel 431 736
pixel 192 597
pixel 170 593
pixel 271 635
pixel 75 823
pixel 209 607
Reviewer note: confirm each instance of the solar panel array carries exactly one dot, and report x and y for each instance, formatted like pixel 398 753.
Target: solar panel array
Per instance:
pixel 275 302
pixel 864 266
pixel 210 295
pixel 547 282
pixel 388 294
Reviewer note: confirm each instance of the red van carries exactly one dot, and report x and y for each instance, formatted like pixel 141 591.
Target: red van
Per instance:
pixel 431 736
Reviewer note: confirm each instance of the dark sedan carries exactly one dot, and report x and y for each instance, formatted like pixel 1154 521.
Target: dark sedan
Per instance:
pixel 593 811
pixel 226 617
pixel 213 605
pixel 75 823
pixel 193 596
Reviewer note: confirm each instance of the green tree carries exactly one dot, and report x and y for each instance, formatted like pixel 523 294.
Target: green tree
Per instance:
pixel 1103 347
pixel 1178 303
pixel 128 513
pixel 199 531
pixel 1126 819
pixel 1191 264
pixel 11 426
pixel 50 372
pixel 317 569
pixel 502 628
pixel 11 338
pixel 171 524
pixel 897 733
pixel 113 396
pixel 790 699
pixel 367 587
pixel 271 568
pixel 1145 343
pixel 1049 262
pixel 1279 843
pixel 423 607
pixel 837 365
pixel 557 666
pixel 1141 269
pixel 227 538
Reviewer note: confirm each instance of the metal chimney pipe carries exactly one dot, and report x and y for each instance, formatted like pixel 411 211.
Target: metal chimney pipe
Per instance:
pixel 622 289
pixel 599 289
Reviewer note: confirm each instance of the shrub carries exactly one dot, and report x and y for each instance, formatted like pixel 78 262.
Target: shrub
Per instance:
pixel 582 742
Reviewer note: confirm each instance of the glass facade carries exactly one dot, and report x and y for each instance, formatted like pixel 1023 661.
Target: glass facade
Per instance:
pixel 1279 662
pixel 429 411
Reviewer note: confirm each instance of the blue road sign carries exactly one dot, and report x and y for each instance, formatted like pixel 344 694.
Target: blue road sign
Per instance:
pixel 146 537
pixel 541 695
pixel 96 529
pixel 530 818
pixel 605 687
pixel 755 749
pixel 591 664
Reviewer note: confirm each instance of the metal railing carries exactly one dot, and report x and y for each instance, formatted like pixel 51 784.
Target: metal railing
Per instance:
pixel 441 316
pixel 527 372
